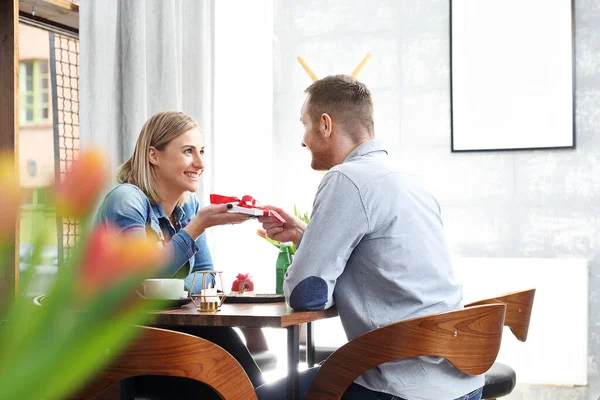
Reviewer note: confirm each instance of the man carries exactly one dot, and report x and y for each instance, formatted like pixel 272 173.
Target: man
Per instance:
pixel 374 246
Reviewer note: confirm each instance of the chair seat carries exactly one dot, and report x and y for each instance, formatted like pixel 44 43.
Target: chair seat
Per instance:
pixel 500 380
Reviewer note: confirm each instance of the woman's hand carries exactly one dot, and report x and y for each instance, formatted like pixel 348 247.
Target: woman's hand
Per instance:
pixel 291 231
pixel 212 215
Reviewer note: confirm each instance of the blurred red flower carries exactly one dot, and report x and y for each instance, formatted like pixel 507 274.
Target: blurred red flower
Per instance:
pixel 110 256
pixel 76 194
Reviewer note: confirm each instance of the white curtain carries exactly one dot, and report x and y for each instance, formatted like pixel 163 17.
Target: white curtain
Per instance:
pixel 138 57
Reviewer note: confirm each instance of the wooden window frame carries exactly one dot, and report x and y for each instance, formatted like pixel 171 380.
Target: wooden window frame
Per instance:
pixel 55 15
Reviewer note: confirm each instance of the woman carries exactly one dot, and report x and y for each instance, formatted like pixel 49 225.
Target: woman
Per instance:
pixel 153 197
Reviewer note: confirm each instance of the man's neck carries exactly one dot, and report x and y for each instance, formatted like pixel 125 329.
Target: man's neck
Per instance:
pixel 348 147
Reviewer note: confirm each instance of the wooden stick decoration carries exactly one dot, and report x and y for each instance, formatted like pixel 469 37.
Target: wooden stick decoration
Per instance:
pixel 354 74
pixel 307 69
pixel 361 65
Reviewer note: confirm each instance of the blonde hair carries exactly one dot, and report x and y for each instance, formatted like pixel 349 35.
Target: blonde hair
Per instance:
pixel 157 132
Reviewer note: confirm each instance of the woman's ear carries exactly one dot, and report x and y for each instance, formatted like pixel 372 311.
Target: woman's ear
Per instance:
pixel 153 155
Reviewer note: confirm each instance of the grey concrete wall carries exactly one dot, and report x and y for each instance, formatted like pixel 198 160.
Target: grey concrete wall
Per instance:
pixel 513 204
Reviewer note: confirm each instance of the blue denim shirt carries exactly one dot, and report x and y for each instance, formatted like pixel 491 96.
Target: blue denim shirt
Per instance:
pixel 130 210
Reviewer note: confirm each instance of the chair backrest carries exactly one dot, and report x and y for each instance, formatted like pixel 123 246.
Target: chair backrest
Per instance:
pixel 518 310
pixel 468 338
pixel 169 353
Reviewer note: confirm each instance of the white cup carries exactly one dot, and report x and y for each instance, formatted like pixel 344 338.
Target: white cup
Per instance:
pixel 164 289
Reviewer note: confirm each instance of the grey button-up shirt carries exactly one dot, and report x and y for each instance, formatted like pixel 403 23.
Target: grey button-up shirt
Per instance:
pixel 375 248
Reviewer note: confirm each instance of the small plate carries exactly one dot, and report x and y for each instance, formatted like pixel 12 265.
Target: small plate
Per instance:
pixel 178 302
pixel 164 304
pixel 257 298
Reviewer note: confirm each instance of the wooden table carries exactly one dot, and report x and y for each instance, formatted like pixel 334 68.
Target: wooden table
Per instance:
pixel 270 315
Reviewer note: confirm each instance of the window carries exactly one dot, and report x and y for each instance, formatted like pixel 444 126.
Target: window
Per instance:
pixel 34 91
pixel 35 197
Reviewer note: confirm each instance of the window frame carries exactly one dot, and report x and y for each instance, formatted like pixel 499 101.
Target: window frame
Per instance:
pixel 37 92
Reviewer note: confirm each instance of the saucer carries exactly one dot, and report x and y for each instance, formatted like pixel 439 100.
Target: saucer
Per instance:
pixel 178 302
pixel 167 303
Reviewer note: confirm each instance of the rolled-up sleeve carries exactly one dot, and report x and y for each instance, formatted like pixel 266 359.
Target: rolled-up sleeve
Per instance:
pixel 338 223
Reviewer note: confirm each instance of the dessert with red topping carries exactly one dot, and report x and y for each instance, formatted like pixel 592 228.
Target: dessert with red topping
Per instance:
pixel 243 285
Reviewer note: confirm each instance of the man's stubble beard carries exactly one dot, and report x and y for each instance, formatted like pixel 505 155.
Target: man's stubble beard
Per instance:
pixel 320 162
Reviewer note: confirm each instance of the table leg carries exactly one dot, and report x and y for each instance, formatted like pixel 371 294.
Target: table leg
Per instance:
pixel 310 345
pixel 293 358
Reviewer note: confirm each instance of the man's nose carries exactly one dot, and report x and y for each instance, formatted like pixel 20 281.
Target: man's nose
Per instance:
pixel 302 144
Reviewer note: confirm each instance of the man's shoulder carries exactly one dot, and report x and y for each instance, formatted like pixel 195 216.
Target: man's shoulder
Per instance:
pixel 382 175
pixel 365 170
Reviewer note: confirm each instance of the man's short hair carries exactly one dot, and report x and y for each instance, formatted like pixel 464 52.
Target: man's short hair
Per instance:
pixel 346 100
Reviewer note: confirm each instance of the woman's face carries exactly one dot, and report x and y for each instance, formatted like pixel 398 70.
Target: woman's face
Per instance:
pixel 179 165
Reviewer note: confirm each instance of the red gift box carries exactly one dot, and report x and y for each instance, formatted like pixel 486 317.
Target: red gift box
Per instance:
pixel 246 205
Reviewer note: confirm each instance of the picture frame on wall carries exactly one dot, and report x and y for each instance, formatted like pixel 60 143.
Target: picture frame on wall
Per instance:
pixel 512 79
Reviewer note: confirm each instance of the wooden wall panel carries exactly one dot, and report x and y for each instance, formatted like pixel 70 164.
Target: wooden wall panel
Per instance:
pixel 9 124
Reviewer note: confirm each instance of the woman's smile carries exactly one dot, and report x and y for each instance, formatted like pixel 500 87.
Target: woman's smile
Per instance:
pixel 194 176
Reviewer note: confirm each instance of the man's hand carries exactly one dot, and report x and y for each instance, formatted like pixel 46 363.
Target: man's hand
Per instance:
pixel 291 231
pixel 211 216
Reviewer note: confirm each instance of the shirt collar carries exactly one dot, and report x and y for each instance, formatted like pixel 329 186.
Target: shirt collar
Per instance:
pixel 160 213
pixel 370 146
pixel 179 213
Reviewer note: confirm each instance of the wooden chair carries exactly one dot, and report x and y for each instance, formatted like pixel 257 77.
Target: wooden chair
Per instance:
pixel 468 338
pixel 501 379
pixel 170 353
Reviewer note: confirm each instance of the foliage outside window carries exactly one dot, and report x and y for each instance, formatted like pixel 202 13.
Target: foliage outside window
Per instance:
pixel 34 91
pixel 37 213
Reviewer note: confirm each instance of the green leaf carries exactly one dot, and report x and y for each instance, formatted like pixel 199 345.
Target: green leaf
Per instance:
pixel 72 343
pixel 272 241
pixel 23 328
pixel 72 364
pixel 304 217
pixel 61 297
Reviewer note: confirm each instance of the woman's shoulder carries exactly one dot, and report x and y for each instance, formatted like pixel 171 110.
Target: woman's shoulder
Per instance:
pixel 126 189
pixel 191 203
pixel 126 194
pixel 123 204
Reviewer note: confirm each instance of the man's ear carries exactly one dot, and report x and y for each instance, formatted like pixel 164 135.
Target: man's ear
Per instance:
pixel 326 125
pixel 153 155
